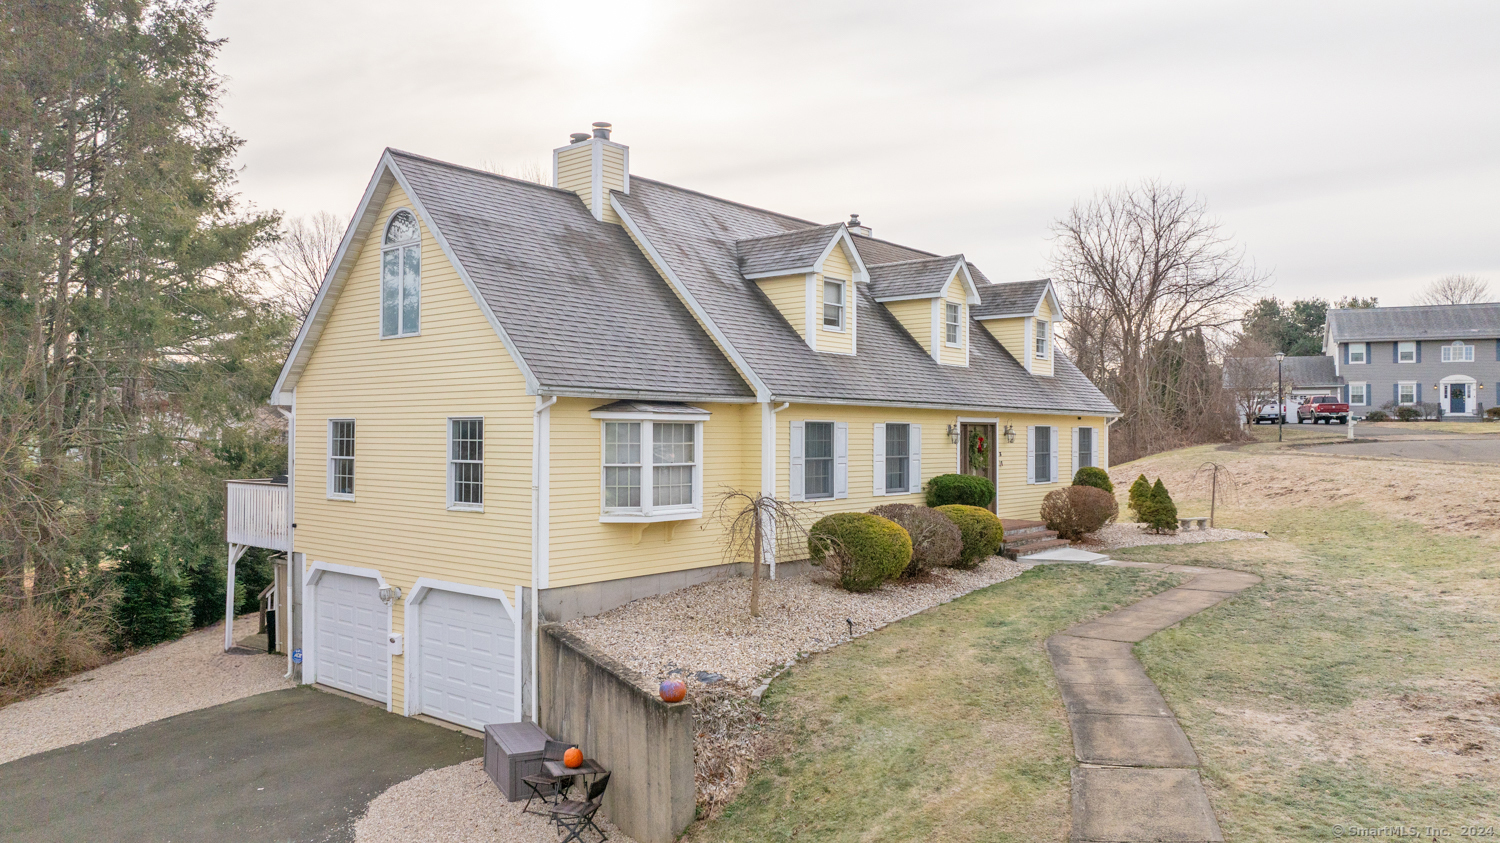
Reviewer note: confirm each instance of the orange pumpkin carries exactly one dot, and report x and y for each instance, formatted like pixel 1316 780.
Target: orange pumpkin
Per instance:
pixel 673 690
pixel 573 758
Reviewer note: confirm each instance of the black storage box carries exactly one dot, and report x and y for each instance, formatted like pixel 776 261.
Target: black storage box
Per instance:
pixel 513 750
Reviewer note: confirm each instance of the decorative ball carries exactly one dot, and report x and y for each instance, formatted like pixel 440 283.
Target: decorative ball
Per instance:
pixel 573 758
pixel 673 690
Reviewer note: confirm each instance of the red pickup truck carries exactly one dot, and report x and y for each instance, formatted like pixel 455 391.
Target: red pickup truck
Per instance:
pixel 1324 408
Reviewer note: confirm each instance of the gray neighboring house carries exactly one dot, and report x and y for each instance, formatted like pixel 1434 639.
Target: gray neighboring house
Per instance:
pixel 1443 354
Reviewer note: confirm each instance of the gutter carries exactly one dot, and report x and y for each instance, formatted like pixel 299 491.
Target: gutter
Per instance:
pixel 540 421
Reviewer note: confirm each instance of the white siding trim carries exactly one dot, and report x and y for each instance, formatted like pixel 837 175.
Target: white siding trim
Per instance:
pixel 840 460
pixel 813 317
pixel 797 450
pixel 878 443
pixel 914 458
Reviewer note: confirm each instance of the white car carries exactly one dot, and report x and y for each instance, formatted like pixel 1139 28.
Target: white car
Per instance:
pixel 1269 413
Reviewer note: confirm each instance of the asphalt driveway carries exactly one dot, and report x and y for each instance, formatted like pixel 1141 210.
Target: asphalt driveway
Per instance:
pixel 292 765
pixel 1449 447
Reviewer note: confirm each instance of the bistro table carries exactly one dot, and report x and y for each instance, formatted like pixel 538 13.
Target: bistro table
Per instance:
pixel 589 768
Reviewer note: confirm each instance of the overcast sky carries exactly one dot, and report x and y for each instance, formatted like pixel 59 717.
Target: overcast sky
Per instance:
pixel 1352 148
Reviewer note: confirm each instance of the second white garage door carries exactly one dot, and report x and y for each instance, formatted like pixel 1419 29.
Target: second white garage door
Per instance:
pixel 351 628
pixel 466 659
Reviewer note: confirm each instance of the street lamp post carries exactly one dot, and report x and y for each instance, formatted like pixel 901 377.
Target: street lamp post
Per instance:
pixel 1280 399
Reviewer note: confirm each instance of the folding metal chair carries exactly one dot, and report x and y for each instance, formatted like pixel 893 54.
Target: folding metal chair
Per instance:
pixel 573 816
pixel 555 786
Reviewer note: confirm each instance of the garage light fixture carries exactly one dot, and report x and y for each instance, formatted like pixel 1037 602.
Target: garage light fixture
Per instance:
pixel 389 594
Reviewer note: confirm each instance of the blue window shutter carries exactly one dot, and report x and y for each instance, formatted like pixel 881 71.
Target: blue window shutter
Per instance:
pixel 1418 394
pixel 1395 352
pixel 1419 352
pixel 1345 347
pixel 1396 392
pixel 1369 346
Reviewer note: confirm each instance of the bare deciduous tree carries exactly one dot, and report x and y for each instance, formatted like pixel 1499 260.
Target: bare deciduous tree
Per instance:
pixel 1455 289
pixel 1250 376
pixel 1152 284
pixel 756 526
pixel 301 257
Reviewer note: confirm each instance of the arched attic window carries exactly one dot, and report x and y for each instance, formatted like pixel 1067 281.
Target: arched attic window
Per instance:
pixel 401 276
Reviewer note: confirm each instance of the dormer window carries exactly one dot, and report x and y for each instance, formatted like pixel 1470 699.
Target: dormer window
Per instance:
pixel 401 276
pixel 1042 339
pixel 833 305
pixel 954 323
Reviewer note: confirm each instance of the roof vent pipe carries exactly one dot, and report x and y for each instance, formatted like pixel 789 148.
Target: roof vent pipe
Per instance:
pixel 578 137
pixel 601 131
pixel 857 227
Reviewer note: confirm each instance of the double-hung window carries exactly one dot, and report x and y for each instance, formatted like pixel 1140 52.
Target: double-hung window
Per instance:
pixel 833 305
pixel 652 466
pixel 1042 340
pixel 1406 352
pixel 954 314
pixel 1356 352
pixel 897 458
pixel 341 458
pixel 1359 393
pixel 401 276
pixel 817 469
pixel 1458 352
pixel 1406 393
pixel 1041 454
pixel 1085 450
pixel 466 464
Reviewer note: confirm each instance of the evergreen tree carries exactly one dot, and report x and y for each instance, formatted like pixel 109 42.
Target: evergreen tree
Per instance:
pixel 1160 511
pixel 1140 492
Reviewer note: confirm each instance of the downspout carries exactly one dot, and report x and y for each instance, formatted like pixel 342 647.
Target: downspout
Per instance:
pixel 768 460
pixel 539 517
pixel 291 521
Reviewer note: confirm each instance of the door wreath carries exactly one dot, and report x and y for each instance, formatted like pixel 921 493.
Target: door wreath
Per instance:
pixel 978 452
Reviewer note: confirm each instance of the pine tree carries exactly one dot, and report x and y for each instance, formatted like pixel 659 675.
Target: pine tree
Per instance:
pixel 1140 492
pixel 1161 511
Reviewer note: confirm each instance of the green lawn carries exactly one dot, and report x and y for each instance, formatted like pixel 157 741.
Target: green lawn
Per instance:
pixel 945 726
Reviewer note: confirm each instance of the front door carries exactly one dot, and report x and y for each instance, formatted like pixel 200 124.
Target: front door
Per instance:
pixel 1458 397
pixel 976 452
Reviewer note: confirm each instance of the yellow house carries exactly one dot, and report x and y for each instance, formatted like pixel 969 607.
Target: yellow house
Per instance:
pixel 514 403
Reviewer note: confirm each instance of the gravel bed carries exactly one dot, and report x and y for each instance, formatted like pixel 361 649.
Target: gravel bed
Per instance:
pixel 457 804
pixel 1134 535
pixel 185 675
pixel 707 629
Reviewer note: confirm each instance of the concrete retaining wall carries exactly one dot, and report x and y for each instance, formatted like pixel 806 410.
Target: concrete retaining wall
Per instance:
pixel 589 699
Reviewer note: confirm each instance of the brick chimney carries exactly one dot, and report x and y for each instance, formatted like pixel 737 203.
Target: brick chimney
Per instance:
pixel 592 165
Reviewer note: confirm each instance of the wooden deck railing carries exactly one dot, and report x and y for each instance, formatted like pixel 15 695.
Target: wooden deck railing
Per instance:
pixel 259 514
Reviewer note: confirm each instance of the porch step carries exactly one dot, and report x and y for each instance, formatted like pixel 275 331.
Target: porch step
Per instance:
pixel 1013 549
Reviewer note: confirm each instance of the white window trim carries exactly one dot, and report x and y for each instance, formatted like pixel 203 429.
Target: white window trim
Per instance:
pixel 332 495
pixel 1364 358
pixel 1052 462
pixel 455 506
pixel 913 459
pixel 1399 352
pixel 843 326
pixel 1044 337
pixel 1413 385
pixel 1093 451
pixel 380 268
pixel 1458 345
pixel 957 323
pixel 797 457
pixel 1365 387
pixel 646 513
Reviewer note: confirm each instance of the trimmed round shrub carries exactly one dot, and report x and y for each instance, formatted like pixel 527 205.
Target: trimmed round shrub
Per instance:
pixel 1093 476
pixel 864 550
pixel 1161 511
pixel 962 489
pixel 1140 492
pixel 981 530
pixel 1381 415
pixel 1074 511
pixel 935 540
pixel 1408 414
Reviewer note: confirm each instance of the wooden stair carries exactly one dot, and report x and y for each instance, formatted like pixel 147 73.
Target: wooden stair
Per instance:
pixel 1023 537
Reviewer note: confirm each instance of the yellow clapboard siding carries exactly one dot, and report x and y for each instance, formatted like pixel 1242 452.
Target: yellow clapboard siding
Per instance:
pixel 583 550
pixel 837 267
pixel 1010 333
pixel 789 294
pixel 957 293
pixel 400 393
pixel 915 315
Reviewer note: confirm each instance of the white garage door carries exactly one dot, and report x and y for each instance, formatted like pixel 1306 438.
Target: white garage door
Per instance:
pixel 351 630
pixel 466 659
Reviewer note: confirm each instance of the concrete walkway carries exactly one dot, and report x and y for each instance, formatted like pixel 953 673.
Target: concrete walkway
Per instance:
pixel 1137 774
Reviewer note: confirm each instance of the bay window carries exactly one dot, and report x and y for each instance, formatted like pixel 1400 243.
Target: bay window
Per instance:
pixel 652 467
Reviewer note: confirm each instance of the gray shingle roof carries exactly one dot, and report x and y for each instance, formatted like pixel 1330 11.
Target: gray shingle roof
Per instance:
pixel 583 306
pixel 697 236
pixel 1433 322
pixel 1017 297
pixel 1297 372
pixel 912 278
pixel 794 251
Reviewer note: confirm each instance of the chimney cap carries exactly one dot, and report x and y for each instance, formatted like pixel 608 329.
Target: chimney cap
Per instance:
pixel 601 130
pixel 856 226
pixel 578 137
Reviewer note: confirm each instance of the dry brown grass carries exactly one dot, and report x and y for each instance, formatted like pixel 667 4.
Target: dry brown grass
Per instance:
pixel 41 642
